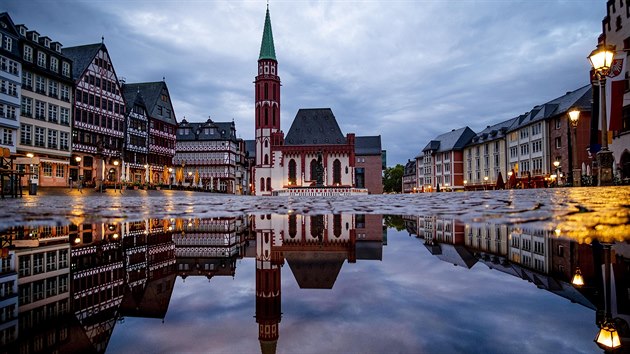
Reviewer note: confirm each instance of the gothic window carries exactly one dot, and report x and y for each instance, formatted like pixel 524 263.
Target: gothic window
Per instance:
pixel 266 162
pixel 266 116
pixel 292 172
pixel 273 117
pixel 337 225
pixel 337 172
pixel 274 90
pixel 269 184
pixel 317 226
pixel 262 184
pixel 292 225
pixel 266 143
pixel 266 91
pixel 313 169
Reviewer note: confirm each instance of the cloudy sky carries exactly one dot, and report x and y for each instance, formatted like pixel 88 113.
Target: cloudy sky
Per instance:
pixel 406 70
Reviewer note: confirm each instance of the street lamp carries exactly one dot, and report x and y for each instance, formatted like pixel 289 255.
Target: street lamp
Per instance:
pixel 576 178
pixel 190 176
pixel 556 164
pixel 170 173
pixel 607 338
pixel 510 173
pixel 601 60
pixel 485 181
pixel 116 163
pixel 465 184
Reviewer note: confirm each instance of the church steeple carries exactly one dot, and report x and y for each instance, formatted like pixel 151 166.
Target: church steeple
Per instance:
pixel 267 49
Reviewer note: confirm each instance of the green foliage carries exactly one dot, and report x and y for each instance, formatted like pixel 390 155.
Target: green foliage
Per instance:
pixel 392 179
pixel 394 221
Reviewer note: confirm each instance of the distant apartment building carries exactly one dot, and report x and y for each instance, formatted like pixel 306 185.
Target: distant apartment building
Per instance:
pixel 443 160
pixel 10 90
pixel 162 128
pixel 43 148
pixel 532 148
pixel 99 113
pixel 485 158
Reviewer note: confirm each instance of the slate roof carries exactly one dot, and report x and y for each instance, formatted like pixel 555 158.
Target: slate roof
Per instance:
pixel 580 98
pixel 132 97
pixel 197 131
pixel 267 49
pixel 367 145
pixel 456 139
pixel 314 269
pixel 493 132
pixel 151 92
pixel 81 57
pixel 314 126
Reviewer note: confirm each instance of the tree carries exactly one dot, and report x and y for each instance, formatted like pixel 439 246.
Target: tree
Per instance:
pixel 392 179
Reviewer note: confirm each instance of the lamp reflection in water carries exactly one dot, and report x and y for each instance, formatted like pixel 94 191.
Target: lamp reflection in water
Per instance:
pixel 607 338
pixel 577 280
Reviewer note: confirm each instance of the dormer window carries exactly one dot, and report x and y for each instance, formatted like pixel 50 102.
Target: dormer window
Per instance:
pixel 266 69
pixel 58 47
pixel 35 37
pixel 23 31
pixel 47 42
pixel 273 70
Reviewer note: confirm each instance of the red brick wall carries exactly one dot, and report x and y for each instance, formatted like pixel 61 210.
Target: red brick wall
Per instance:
pixel 373 173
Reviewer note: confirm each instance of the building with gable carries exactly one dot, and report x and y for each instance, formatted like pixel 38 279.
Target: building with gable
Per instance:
pixel 443 160
pixel 314 153
pixel 211 151
pixel 409 182
pixel 162 128
pixel 10 92
pixel 99 113
pixel 136 146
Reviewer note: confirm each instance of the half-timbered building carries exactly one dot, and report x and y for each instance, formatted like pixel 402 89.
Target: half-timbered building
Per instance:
pixel 99 113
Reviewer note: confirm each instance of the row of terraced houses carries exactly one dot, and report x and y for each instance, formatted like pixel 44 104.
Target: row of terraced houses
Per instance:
pixel 540 147
pixel 66 116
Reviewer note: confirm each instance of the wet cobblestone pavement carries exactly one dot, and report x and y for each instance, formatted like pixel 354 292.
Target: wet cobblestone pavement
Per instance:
pixel 579 212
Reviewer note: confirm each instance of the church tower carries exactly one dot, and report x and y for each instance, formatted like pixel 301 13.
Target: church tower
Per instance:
pixel 267 109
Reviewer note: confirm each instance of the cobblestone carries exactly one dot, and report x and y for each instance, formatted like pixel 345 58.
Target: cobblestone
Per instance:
pixel 584 212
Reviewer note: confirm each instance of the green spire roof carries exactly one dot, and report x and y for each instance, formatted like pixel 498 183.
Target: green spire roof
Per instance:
pixel 267 49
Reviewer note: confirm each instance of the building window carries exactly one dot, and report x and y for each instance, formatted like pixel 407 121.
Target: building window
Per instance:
pixel 292 172
pixel 269 184
pixel 41 59
pixel 40 110
pixel 65 69
pixel 27 80
pixel 7 43
pixel 262 184
pixel 40 84
pixel 558 142
pixel 40 139
pixel 28 54
pixel 52 113
pixel 27 106
pixel 557 123
pixel 64 116
pixel 536 128
pixel 64 141
pixel 25 134
pixel 337 172
pixel 7 136
pixel 54 64
pixel 52 139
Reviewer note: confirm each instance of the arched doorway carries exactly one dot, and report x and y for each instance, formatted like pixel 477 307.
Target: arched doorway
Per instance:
pixel 292 172
pixel 337 172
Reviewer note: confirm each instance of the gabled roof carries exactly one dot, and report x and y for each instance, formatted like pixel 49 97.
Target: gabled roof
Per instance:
pixel 315 269
pixel 314 126
pixel 214 131
pixel 493 132
pixel 410 168
pixel 132 97
pixel 367 145
pixel 152 92
pixel 579 98
pixel 456 139
pixel 81 57
pixel 267 49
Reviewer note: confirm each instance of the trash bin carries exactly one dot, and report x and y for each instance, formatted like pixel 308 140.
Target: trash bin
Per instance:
pixel 32 188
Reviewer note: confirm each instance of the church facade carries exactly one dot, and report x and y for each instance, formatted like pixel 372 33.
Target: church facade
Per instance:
pixel 314 156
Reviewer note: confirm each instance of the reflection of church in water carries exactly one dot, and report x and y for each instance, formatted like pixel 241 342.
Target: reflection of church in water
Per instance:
pixel 65 288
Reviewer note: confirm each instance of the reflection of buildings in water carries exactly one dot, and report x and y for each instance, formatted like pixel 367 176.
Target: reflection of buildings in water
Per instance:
pixel 545 259
pixel 35 289
pixel 209 247
pixel 315 247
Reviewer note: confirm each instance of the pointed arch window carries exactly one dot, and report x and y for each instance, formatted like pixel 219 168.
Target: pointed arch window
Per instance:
pixel 262 184
pixel 266 91
pixel 337 172
pixel 266 159
pixel 292 225
pixel 292 172
pixel 337 225
pixel 266 116
pixel 273 117
pixel 269 184
pixel 317 226
pixel 313 169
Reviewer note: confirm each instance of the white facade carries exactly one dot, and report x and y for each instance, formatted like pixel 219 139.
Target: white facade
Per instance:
pixel 10 95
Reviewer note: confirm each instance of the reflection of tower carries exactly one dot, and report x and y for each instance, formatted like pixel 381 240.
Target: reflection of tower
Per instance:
pixel 268 301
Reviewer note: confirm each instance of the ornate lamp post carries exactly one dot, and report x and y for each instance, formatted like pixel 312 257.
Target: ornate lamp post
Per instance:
pixel 556 164
pixel 574 116
pixel 607 338
pixel 116 163
pixel 485 181
pixel 601 60
pixel 170 174
pixel 510 173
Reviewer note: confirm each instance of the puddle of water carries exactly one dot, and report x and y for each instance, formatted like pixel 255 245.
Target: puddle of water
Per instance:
pixel 307 283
